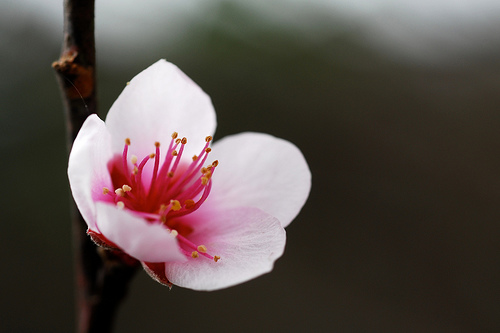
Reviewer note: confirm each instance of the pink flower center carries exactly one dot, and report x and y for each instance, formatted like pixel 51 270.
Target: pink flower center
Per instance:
pixel 173 190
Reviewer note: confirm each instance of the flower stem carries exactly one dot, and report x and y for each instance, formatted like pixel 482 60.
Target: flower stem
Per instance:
pixel 102 277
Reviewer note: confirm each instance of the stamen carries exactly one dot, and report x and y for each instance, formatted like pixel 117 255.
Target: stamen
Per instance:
pixel 155 169
pixel 189 203
pixel 124 156
pixel 167 197
pixel 176 205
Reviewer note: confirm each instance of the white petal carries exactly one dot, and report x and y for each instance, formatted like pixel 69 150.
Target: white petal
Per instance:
pixel 159 101
pixel 248 241
pixel 140 239
pixel 87 166
pixel 261 171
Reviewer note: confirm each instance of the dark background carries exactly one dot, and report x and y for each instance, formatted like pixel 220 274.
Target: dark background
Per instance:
pixel 400 232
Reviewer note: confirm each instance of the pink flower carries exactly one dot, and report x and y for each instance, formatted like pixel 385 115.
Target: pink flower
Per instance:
pixel 198 217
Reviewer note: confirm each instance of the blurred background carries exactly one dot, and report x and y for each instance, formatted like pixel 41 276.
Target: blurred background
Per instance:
pixel 395 105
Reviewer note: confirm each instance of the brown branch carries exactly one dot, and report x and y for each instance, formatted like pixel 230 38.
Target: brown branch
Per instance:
pixel 102 277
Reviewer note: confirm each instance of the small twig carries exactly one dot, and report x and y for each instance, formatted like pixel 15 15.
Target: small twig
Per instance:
pixel 102 276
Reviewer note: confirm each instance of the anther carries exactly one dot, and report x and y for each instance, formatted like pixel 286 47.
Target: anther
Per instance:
pixel 152 155
pixel 170 174
pixel 208 150
pixel 105 190
pixel 157 144
pixel 202 248
pixel 174 232
pixel 126 188
pixel 133 159
pixel 178 141
pixel 120 205
pixel 195 158
pixel 189 204
pixel 216 258
pixel 174 135
pixel 194 254
pixel 120 192
pixel 127 141
pixel 215 163
pixel 176 205
pixel 208 139
pixel 184 140
pixel 174 153
pixel 204 181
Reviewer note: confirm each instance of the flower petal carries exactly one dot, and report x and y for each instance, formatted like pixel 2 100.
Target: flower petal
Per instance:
pixel 248 241
pixel 138 238
pixel 159 101
pixel 262 171
pixel 87 166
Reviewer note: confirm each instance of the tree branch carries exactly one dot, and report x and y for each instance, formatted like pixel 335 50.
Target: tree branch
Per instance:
pixel 102 277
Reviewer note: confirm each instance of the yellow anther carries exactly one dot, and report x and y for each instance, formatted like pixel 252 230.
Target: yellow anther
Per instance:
pixel 120 192
pixel 216 258
pixel 178 141
pixel 135 171
pixel 189 203
pixel 204 180
pixel 120 205
pixel 128 82
pixel 157 144
pixel 126 188
pixel 174 232
pixel 184 140
pixel 176 205
pixel 174 153
pixel 105 190
pixel 174 135
pixel 215 163
pixel 195 158
pixel 152 155
pixel 208 139
pixel 203 170
pixel 194 254
pixel 208 150
pixel 170 174
pixel 133 159
pixel 202 248
pixel 127 141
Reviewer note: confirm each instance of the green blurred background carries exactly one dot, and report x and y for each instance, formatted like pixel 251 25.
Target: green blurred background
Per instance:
pixel 397 115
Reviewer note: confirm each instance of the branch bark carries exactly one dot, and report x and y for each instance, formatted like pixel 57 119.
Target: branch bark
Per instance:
pixel 102 277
